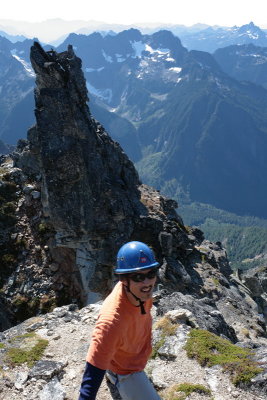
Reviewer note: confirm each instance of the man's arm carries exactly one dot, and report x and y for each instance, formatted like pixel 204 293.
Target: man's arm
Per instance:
pixel 91 381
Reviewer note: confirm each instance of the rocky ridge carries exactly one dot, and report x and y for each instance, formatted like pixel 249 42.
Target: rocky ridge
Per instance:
pixel 76 198
pixel 57 375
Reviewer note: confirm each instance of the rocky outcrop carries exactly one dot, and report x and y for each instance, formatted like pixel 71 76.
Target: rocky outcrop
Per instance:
pixel 203 311
pixel 89 187
pixel 29 277
pixel 256 281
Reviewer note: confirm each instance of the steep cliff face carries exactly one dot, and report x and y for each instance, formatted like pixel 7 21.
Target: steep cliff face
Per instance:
pixel 79 199
pixel 89 186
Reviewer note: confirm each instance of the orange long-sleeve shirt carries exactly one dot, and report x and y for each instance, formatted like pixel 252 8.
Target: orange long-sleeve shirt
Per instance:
pixel 121 340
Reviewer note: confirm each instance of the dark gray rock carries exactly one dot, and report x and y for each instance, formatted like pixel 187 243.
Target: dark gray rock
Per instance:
pixel 256 281
pixel 204 311
pixel 94 178
pixel 254 285
pixel 46 369
pixel 71 142
pixel 176 272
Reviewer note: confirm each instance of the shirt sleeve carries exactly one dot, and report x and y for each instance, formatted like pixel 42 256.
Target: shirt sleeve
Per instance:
pixel 106 339
pixel 91 381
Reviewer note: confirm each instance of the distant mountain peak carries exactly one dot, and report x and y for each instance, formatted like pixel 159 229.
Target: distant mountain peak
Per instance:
pixel 251 27
pixel 212 39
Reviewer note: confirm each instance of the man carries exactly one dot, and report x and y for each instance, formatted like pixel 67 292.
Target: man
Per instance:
pixel 121 341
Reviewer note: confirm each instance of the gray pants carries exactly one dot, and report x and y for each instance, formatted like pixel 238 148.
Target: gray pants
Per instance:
pixel 134 386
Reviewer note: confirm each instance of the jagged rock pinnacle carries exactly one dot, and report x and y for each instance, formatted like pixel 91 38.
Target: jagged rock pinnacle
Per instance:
pixel 83 169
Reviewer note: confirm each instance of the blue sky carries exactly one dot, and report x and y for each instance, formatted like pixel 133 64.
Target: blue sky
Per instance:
pixel 187 12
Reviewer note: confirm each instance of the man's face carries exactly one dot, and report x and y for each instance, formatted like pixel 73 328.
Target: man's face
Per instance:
pixel 144 289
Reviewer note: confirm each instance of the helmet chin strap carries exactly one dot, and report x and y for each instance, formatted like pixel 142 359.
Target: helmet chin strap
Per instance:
pixel 141 303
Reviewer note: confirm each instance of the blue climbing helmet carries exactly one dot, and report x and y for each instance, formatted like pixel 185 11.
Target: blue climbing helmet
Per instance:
pixel 134 256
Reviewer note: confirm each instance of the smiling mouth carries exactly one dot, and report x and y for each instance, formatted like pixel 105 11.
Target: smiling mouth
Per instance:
pixel 146 289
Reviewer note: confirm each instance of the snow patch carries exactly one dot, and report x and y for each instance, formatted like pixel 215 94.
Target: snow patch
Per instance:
pixel 106 57
pixel 159 96
pixel 94 69
pixel 174 73
pixel 120 58
pixel 176 69
pixel 161 52
pixel 26 65
pixel 138 48
pixel 170 59
pixel 112 109
pixel 251 35
pixel 143 64
pixel 104 94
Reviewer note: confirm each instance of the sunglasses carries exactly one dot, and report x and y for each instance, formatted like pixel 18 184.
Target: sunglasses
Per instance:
pixel 138 277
